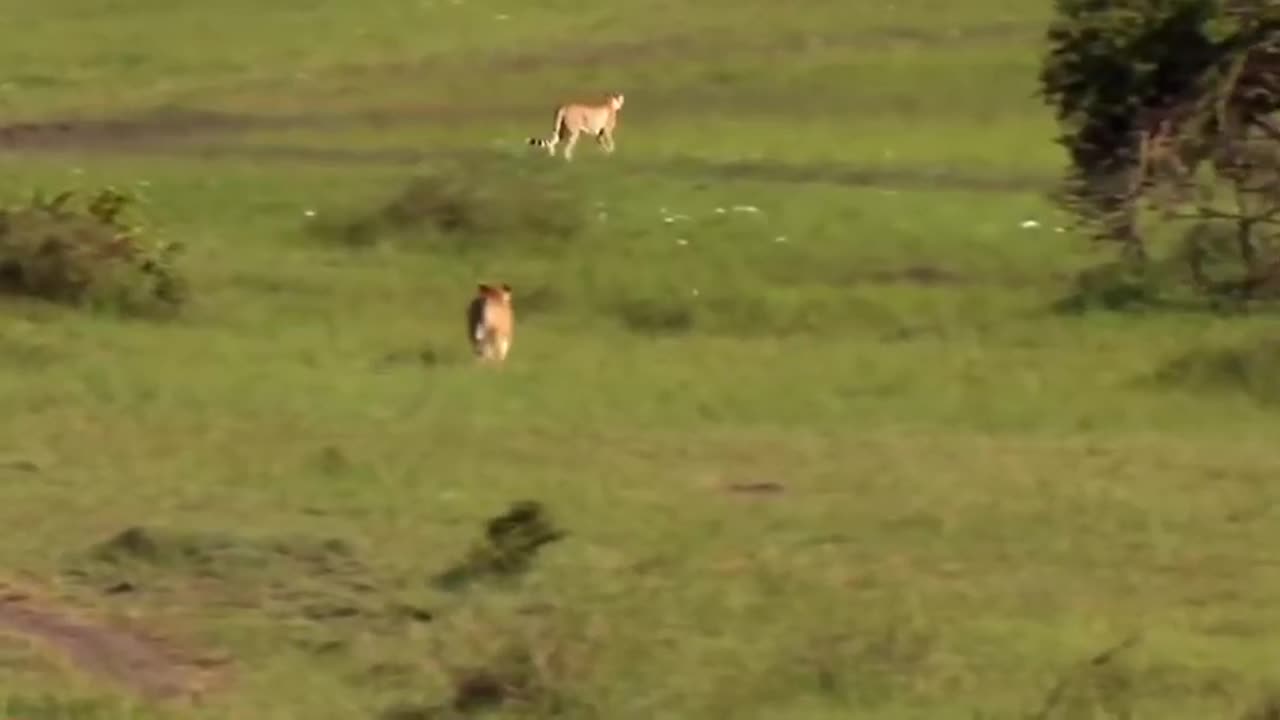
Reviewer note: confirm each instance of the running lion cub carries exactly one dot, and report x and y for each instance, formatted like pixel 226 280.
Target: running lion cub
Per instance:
pixel 574 119
pixel 490 321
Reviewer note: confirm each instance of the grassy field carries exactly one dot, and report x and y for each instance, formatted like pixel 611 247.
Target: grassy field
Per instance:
pixel 788 374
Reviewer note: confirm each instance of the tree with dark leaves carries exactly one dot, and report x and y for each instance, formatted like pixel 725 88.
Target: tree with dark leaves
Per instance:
pixel 1168 114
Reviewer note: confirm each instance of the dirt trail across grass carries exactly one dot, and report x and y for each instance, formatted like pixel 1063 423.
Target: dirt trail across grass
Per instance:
pixel 195 141
pixel 129 658
pixel 124 133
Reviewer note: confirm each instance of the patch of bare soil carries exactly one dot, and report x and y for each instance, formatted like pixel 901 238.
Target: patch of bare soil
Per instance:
pixel 122 132
pixel 179 134
pixel 129 657
pixel 175 127
pixel 843 175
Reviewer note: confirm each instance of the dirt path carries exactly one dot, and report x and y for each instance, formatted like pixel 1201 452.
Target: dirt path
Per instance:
pixel 129 658
pixel 182 146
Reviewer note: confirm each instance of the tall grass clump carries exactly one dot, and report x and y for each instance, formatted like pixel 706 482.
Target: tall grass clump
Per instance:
pixel 86 255
pixel 468 207
pixel 1251 370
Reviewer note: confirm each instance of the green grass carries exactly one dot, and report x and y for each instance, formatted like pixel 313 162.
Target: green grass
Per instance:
pixel 978 494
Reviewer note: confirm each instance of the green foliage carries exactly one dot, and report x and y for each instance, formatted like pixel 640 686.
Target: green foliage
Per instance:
pixel 1110 62
pixel 1144 92
pixel 89 255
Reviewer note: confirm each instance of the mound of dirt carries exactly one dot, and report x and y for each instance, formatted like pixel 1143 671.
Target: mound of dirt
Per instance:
pixel 129 657
pixel 286 577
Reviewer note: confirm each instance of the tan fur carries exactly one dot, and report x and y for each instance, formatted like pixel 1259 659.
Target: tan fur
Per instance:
pixel 575 119
pixel 491 322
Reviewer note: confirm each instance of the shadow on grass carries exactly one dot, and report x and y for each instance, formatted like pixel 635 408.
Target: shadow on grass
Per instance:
pixel 1251 371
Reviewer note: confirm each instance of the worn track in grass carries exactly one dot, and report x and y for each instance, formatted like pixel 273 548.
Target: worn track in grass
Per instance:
pixel 131 658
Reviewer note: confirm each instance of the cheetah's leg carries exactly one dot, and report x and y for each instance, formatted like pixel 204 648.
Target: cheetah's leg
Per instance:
pixel 605 138
pixel 568 146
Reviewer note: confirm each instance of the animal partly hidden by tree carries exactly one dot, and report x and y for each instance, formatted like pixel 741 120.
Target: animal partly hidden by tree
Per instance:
pixel 1168 113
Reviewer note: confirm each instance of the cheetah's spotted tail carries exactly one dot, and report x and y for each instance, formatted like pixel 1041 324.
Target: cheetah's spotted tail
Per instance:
pixel 551 142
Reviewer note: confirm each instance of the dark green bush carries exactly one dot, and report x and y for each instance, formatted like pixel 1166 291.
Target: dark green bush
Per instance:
pixel 1166 111
pixel 88 255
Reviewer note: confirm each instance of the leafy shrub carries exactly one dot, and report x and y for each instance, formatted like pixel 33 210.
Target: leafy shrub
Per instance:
pixel 1166 111
pixel 476 206
pixel 1108 62
pixel 85 256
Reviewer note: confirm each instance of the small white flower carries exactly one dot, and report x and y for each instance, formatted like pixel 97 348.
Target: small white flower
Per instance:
pixel 501 16
pixel 310 213
pixel 720 211
pixel 694 292
pixel 1030 224
pixel 746 208
pixel 681 241
pixel 780 239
